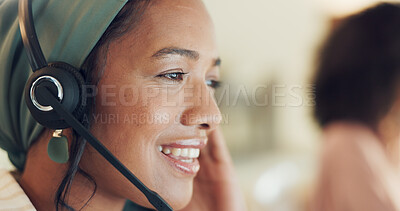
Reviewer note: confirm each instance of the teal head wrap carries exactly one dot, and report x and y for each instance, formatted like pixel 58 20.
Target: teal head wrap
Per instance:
pixel 67 30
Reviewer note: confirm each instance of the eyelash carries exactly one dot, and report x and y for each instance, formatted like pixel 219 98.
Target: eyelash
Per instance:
pixel 214 84
pixel 178 76
pixel 173 76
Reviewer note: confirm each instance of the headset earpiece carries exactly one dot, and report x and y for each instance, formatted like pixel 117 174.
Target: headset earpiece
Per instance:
pixel 65 82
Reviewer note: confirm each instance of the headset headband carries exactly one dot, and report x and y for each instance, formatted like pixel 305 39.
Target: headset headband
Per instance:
pixel 28 34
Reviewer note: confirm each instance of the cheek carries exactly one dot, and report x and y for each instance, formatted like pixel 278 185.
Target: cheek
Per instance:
pixel 131 133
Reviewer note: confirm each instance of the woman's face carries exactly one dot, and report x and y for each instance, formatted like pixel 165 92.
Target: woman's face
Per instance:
pixel 156 93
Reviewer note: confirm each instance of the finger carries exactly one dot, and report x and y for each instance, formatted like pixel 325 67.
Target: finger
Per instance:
pixel 217 149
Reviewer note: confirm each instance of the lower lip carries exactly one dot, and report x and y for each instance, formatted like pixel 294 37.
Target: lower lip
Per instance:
pixel 182 167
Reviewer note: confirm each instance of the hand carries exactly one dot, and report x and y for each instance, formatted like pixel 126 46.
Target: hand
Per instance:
pixel 215 186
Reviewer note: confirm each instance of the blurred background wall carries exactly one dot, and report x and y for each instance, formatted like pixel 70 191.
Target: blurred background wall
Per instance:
pixel 268 50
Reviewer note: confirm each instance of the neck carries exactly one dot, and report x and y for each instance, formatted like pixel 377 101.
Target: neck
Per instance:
pixel 41 178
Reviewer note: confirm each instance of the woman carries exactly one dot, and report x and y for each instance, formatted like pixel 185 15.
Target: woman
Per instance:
pixel 358 107
pixel 154 67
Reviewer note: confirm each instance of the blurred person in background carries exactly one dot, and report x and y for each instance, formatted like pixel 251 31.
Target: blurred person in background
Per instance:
pixel 358 107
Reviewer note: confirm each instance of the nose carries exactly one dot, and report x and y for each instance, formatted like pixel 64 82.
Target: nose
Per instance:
pixel 203 112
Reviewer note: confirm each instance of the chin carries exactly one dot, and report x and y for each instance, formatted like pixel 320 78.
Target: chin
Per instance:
pixel 178 198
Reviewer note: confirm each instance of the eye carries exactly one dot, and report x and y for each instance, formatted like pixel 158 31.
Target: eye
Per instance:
pixel 213 84
pixel 175 76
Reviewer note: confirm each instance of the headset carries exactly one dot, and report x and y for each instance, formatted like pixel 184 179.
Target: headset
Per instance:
pixel 55 97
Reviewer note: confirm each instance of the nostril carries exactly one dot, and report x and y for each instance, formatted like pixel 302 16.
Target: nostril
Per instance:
pixel 204 126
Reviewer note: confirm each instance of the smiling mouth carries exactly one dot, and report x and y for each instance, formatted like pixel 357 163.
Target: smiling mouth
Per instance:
pixel 182 158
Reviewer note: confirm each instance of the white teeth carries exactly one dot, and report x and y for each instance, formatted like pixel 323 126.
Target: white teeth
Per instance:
pixel 181 152
pixel 167 151
pixel 187 160
pixel 176 151
pixel 194 153
pixel 185 152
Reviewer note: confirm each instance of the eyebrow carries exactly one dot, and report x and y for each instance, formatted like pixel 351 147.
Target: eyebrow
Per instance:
pixel 177 51
pixel 182 52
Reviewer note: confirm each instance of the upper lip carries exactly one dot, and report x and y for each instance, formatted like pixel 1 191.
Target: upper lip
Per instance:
pixel 197 143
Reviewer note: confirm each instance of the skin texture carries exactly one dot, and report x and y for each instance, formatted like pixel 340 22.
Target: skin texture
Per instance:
pixel 389 132
pixel 170 107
